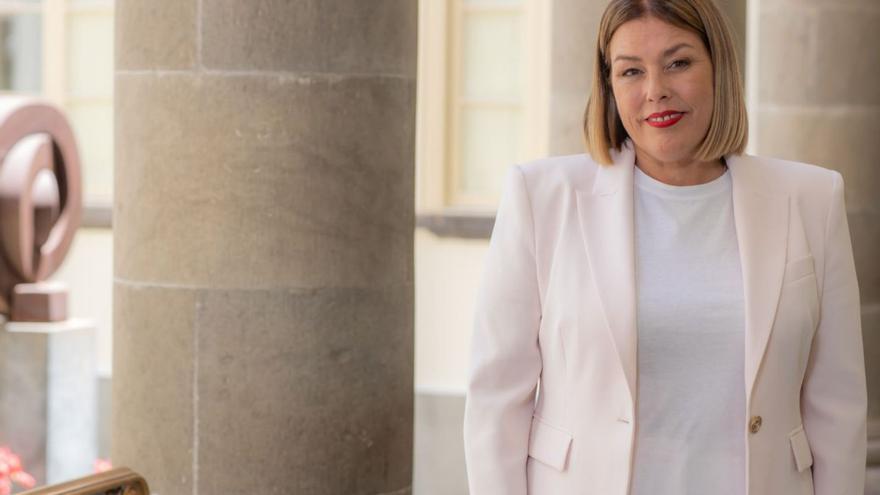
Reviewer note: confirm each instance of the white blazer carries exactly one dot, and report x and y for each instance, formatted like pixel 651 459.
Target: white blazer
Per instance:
pixel 557 307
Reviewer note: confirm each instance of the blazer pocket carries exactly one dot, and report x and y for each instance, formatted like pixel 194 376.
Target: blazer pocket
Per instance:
pixel 549 444
pixel 803 457
pixel 798 269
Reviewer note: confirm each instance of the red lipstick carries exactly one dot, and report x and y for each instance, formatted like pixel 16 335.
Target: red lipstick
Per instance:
pixel 674 117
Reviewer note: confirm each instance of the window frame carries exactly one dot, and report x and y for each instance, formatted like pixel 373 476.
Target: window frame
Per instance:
pixel 97 213
pixel 437 169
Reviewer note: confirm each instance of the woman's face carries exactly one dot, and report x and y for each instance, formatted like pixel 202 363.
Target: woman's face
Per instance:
pixel 656 69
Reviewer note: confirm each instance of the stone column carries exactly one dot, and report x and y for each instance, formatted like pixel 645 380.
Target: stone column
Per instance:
pixel 574 26
pixel 818 100
pixel 263 225
pixel 573 30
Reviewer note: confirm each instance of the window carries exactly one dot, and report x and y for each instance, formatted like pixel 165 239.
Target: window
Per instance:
pixel 482 103
pixel 21 53
pixel 62 50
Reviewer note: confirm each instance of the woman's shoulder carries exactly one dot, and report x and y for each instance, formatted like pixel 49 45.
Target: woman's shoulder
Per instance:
pixel 552 174
pixel 570 171
pixel 788 176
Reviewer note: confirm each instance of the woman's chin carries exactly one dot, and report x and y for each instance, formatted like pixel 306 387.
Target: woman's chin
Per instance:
pixel 668 150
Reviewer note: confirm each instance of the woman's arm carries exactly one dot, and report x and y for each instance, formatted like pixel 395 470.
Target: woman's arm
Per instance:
pixel 505 358
pixel 834 395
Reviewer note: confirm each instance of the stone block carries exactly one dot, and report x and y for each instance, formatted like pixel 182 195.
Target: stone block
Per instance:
pixel 847 64
pixel 865 230
pixel 153 394
pixel 571 72
pixel 312 187
pixel 338 36
pixel 158 34
pixel 736 13
pixel 819 57
pixel 48 403
pixel 305 391
pixel 870 5
pixel 785 61
pixel 39 302
pixel 845 141
pixel 871 340
pixel 566 136
pixel 872 482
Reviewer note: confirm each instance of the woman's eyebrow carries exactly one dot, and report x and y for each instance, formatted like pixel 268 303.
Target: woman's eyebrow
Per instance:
pixel 666 53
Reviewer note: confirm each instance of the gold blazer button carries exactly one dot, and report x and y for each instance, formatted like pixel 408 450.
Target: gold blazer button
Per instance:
pixel 755 424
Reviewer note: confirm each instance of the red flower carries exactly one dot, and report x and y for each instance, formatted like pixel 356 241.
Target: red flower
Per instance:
pixel 11 470
pixel 23 479
pixel 102 465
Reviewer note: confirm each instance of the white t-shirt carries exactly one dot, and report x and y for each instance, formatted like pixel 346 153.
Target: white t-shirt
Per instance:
pixel 690 423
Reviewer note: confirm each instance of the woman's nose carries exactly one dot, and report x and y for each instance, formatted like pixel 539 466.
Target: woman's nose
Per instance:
pixel 657 88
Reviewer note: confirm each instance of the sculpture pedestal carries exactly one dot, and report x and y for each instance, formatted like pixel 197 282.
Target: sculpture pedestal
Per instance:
pixel 39 302
pixel 48 397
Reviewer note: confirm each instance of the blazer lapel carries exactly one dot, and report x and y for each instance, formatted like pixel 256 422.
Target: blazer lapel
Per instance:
pixel 606 217
pixel 761 219
pixel 607 226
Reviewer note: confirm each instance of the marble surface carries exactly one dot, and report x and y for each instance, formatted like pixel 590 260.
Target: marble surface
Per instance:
pixel 48 397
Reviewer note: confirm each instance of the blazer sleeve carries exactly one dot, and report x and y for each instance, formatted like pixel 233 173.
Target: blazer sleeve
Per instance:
pixel 505 358
pixel 834 397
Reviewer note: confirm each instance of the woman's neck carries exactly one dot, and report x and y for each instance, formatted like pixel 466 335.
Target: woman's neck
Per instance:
pixel 680 173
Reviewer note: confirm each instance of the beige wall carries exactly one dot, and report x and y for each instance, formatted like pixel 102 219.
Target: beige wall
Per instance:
pixel 88 272
pixel 447 274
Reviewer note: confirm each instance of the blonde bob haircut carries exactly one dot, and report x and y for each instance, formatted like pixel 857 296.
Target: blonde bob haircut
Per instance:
pixel 728 127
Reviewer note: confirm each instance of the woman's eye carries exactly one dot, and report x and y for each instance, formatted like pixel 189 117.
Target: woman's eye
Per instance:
pixel 680 64
pixel 629 72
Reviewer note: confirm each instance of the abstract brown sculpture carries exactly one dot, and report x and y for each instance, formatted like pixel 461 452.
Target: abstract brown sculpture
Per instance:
pixel 40 206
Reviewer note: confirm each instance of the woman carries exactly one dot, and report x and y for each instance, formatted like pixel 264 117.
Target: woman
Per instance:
pixel 667 315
